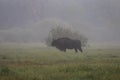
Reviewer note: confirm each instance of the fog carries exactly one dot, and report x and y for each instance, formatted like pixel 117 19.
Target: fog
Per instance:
pixel 31 20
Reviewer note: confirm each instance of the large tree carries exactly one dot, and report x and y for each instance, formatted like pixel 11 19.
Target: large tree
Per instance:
pixel 59 32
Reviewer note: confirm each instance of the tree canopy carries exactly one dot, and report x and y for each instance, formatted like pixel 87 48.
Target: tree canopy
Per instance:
pixel 59 32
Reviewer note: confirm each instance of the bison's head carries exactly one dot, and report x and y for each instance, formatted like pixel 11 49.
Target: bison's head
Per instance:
pixel 53 43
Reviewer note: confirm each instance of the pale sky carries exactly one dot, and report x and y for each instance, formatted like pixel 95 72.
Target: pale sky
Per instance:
pixel 99 20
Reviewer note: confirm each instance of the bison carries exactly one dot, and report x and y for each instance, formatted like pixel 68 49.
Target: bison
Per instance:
pixel 67 43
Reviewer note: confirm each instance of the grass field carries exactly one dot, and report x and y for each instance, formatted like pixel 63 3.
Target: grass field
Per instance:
pixel 18 62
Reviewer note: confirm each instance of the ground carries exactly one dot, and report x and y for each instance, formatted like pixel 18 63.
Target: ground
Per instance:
pixel 28 62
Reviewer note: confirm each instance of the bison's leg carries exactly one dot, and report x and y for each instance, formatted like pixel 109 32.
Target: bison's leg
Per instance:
pixel 76 50
pixel 80 49
pixel 64 50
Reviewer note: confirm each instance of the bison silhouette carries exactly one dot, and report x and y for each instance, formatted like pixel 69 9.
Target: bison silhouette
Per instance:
pixel 67 43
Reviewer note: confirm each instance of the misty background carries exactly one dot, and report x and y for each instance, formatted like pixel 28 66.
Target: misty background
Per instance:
pixel 31 20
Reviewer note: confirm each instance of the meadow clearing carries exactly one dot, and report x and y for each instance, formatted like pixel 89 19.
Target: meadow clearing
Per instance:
pixel 21 62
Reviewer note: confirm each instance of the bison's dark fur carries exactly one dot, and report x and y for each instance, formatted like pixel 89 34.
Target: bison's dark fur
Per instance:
pixel 67 43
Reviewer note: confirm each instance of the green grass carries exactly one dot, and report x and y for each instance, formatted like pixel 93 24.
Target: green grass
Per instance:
pixel 18 62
